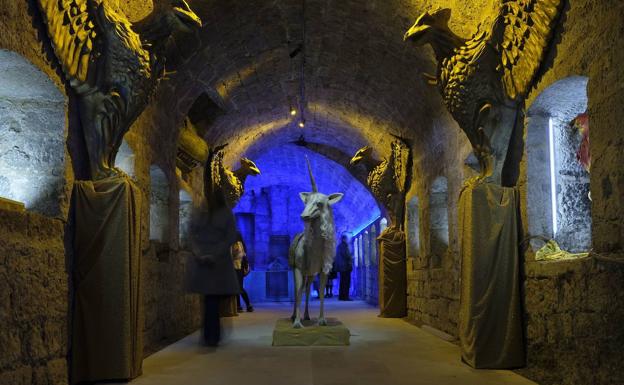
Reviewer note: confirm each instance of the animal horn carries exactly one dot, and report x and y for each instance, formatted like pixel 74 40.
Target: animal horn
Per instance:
pixel 314 188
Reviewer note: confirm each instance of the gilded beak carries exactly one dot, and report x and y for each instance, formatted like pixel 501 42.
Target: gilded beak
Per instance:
pixel 186 15
pixel 416 32
pixel 255 170
pixel 355 160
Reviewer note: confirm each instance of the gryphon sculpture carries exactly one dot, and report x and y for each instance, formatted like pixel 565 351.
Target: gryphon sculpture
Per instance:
pixel 387 178
pixel 231 183
pixel 484 80
pixel 312 252
pixel 113 70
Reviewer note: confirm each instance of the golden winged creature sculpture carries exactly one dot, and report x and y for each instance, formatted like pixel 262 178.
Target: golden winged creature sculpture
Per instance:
pixel 387 178
pixel 231 183
pixel 113 66
pixel 484 80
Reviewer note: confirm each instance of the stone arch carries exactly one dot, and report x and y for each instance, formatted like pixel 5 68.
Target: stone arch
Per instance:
pixel 438 221
pixel 159 205
pixel 558 184
pixel 32 136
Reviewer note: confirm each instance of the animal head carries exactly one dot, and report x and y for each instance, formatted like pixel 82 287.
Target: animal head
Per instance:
pixel 363 153
pixel 316 203
pixel 181 17
pixel 428 25
pixel 249 167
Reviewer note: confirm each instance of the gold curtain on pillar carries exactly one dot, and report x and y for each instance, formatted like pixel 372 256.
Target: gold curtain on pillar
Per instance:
pixel 392 274
pixel 490 319
pixel 108 318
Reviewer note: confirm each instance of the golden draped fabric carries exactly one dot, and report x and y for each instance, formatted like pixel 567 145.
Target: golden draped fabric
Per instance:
pixel 490 319
pixel 108 321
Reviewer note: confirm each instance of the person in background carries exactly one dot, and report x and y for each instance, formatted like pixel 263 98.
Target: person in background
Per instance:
pixel 241 265
pixel 210 271
pixel 344 265
pixel 329 287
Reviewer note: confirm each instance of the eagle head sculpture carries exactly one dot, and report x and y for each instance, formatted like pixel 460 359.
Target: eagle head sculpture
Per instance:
pixel 182 17
pixel 428 25
pixel 363 153
pixel 249 166
pixel 175 16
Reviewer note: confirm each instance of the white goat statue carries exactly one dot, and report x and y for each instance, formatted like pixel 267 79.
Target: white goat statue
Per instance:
pixel 312 252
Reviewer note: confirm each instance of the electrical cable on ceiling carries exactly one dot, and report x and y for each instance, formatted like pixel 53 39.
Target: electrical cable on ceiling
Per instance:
pixel 303 63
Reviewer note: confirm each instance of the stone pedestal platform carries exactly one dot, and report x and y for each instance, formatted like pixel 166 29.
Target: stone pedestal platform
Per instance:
pixel 334 334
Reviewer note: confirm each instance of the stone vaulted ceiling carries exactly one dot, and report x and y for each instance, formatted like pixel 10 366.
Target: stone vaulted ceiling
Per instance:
pixel 362 83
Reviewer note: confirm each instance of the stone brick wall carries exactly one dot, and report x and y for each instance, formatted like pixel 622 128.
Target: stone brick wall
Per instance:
pixel 170 312
pixel 33 300
pixel 574 318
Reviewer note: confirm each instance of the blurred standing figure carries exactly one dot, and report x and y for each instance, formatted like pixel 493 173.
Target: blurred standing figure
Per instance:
pixel 241 265
pixel 344 265
pixel 210 271
pixel 329 287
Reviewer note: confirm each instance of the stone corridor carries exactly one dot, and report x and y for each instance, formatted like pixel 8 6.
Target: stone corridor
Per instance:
pixel 382 351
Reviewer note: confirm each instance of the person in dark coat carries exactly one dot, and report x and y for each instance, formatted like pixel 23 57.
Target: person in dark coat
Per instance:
pixel 211 271
pixel 344 265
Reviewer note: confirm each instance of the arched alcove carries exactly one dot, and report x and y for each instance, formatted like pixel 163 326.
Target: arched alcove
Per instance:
pixel 558 183
pixel 184 212
pixel 125 159
pixel 32 136
pixel 383 224
pixel 373 245
pixel 356 254
pixel 413 228
pixel 438 221
pixel 159 205
pixel 367 249
pixel 361 255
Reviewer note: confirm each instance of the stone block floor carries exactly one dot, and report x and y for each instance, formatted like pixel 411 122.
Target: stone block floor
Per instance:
pixel 382 352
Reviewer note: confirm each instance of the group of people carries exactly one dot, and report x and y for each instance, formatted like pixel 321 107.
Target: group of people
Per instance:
pixel 219 263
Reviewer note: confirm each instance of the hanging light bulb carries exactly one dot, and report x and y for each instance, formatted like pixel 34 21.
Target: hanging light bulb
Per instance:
pixel 302 123
pixel 293 112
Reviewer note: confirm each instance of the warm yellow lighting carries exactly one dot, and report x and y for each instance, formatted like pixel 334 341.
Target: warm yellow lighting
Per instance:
pixel 293 112
pixel 302 124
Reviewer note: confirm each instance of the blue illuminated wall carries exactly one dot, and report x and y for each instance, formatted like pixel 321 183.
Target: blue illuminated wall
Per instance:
pixel 268 214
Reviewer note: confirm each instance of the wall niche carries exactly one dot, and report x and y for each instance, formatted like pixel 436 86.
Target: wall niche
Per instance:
pixel 438 221
pixel 32 136
pixel 159 205
pixel 558 181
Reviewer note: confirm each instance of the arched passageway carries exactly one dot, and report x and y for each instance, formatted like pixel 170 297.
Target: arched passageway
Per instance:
pixel 269 212
pixel 276 82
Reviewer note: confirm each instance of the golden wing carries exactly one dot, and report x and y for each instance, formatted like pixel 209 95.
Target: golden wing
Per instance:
pixel 400 154
pixel 528 34
pixel 71 29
